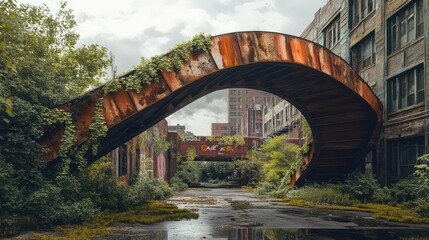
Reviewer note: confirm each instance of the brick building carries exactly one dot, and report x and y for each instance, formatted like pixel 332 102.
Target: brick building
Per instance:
pixel 138 155
pixel 220 129
pixel 387 43
pixel 240 100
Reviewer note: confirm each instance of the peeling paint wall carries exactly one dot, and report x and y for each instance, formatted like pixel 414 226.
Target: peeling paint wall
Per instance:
pixel 137 152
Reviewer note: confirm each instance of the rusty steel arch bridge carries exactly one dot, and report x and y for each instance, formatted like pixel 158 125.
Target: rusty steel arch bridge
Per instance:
pixel 343 112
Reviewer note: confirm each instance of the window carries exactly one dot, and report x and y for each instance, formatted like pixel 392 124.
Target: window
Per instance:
pixel 232 107
pixel 363 53
pixel 405 90
pixel 360 9
pixel 233 92
pixel 332 33
pixel 404 154
pixel 405 26
pixel 233 99
pixel 233 114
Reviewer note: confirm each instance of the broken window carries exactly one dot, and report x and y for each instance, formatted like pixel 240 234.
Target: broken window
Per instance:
pixel 405 26
pixel 360 9
pixel 405 90
pixel 363 53
pixel 332 33
pixel 404 154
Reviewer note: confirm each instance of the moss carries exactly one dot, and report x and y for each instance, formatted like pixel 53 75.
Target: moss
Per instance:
pixel 150 213
pixel 248 189
pixel 382 211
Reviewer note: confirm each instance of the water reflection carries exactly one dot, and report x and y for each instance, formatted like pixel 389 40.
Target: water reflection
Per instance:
pixel 298 234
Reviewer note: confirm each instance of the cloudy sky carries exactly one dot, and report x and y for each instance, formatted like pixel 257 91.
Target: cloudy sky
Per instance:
pixel 132 29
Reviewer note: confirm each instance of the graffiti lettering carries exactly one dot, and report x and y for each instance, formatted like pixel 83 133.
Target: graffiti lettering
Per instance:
pixel 229 148
pixel 205 148
pixel 192 138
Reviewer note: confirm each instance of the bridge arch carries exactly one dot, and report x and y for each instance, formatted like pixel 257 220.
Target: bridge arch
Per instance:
pixel 342 110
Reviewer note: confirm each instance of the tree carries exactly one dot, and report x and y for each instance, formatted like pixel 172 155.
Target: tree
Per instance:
pixel 40 67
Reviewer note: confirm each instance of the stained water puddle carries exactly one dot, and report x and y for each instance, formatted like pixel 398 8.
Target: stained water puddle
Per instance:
pixel 277 234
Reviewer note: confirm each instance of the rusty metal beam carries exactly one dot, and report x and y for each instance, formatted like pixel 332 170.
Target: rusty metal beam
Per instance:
pixel 343 112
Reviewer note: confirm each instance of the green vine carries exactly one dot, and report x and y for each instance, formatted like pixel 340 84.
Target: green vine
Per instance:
pixel 299 164
pixel 235 140
pixel 98 127
pixel 161 145
pixel 191 154
pixel 68 149
pixel 148 71
pixel 57 116
pixel 308 136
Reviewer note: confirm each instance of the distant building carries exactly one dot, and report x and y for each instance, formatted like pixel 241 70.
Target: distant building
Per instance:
pixel 281 118
pixel 179 129
pixel 220 129
pixel 251 122
pixel 240 100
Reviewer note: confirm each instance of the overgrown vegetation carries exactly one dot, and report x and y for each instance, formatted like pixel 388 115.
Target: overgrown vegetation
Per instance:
pixel 41 67
pixel 235 140
pixel 217 172
pixel 405 201
pixel 188 173
pixel 148 71
pixel 149 213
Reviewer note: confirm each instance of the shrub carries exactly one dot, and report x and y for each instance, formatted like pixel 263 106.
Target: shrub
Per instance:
pixel 383 195
pixel 146 189
pixel 98 184
pixel 361 187
pixel 76 212
pixel 422 206
pixel 408 190
pixel 216 171
pixel 319 194
pixel 249 170
pixel 265 188
pixel 188 173
pixel 177 185
pixel 422 169
pixel 48 206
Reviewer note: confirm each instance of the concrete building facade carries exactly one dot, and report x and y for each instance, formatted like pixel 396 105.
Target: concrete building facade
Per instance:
pixel 280 118
pixel 387 43
pixel 251 122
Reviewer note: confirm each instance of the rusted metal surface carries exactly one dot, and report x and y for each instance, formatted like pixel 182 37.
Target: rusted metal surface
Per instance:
pixel 213 151
pixel 343 112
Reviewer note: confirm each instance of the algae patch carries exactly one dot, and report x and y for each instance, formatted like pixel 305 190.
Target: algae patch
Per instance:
pixel 150 213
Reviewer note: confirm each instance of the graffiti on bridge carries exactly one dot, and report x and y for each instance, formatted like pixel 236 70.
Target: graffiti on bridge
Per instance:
pixel 220 149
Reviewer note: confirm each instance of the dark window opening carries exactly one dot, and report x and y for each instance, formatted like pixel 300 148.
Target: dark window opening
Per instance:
pixel 405 90
pixel 404 154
